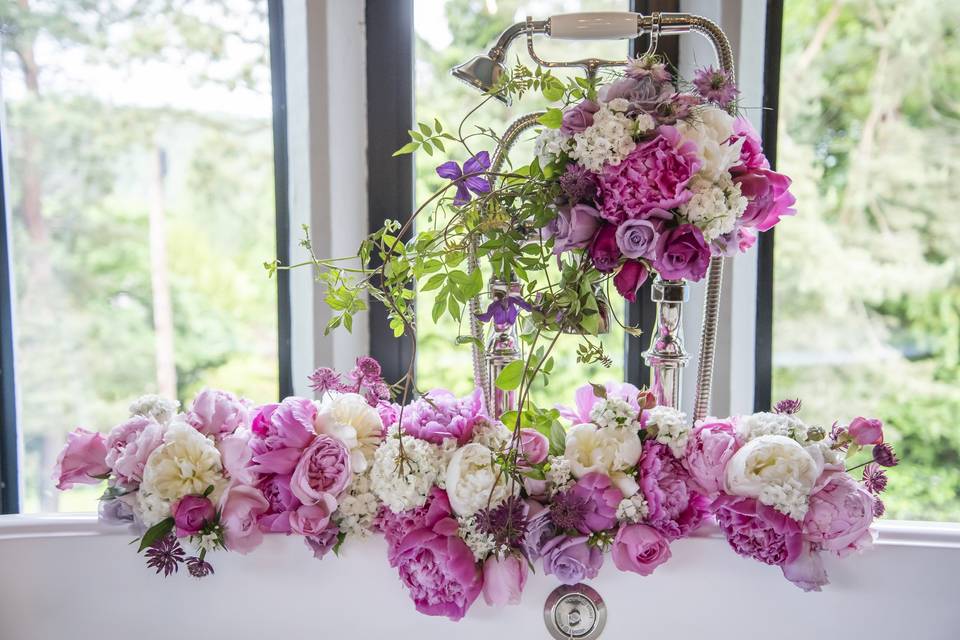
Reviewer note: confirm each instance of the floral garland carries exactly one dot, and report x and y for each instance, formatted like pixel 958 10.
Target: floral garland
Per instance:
pixel 465 507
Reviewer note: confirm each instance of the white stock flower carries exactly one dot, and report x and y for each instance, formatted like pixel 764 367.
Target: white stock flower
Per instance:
pixel 607 141
pixel 715 206
pixel 480 543
pixel 549 145
pixel 614 412
pixel 153 406
pixel 609 450
pixel 619 104
pixel 558 475
pixel 711 129
pixel 187 463
pixel 633 509
pixel 358 508
pixel 473 481
pixel 491 434
pixel 404 486
pixel 772 424
pixel 775 470
pixel 673 429
pixel 348 417
pixel 645 123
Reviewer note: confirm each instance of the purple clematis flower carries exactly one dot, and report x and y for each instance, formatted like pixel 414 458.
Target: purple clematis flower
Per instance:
pixel 504 310
pixel 468 179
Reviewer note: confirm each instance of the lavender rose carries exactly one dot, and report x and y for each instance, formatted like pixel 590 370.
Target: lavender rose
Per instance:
pixel 637 238
pixel 682 254
pixel 604 251
pixel 630 278
pixel 574 227
pixel 310 520
pixel 579 117
pixel 571 560
pixel 324 468
pixel 321 544
pixel 710 447
pixel 191 514
pixel 839 515
pixel 540 530
pixel 639 548
pixel 82 459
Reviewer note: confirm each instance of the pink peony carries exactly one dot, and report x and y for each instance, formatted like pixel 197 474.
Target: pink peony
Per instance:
pixel 839 515
pixel 534 446
pixel 758 531
pixel 600 499
pixel 710 447
pixel 768 198
pixel 630 278
pixel 751 153
pixel 571 559
pixel 504 579
pixel 395 526
pixel 866 431
pixel 311 519
pixel 240 507
pixel 584 398
pixel 654 176
pixel 389 414
pixel 191 514
pixel 436 566
pixel 280 433
pixel 682 254
pixel 639 548
pixel 281 503
pixel 675 507
pixel 440 415
pixel 83 459
pixel 323 469
pixel 129 445
pixel 217 413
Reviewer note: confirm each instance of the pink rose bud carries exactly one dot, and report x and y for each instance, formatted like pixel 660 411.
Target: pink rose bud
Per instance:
pixel 866 431
pixel 639 548
pixel 191 514
pixel 82 460
pixel 503 580
pixel 534 446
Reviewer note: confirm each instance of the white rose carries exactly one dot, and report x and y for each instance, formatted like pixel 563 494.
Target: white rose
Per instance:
pixel 348 418
pixel 473 482
pixel 777 471
pixel 607 450
pixel 187 463
pixel 710 130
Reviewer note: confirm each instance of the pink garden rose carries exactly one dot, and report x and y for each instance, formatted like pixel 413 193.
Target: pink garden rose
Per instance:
pixel 191 514
pixel 866 431
pixel 281 503
pixel 129 444
pixel 630 278
pixel 839 515
pixel 240 507
pixel 311 519
pixel 436 566
pixel 217 413
pixel 675 507
pixel 534 446
pixel 639 548
pixel 442 415
pixel 604 251
pixel 579 117
pixel 571 559
pixel 710 447
pixel 584 398
pixel 280 434
pixel 600 499
pixel 653 176
pixel 504 579
pixel 82 459
pixel 323 469
pixel 682 254
pixel 768 198
pixel 574 227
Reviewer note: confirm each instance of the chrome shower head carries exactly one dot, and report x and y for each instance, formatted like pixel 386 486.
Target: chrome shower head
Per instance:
pixel 482 72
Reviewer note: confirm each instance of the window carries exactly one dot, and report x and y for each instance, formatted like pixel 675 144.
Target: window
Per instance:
pixel 867 287
pixel 141 190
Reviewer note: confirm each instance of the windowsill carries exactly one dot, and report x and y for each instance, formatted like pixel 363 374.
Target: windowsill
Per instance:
pixel 902 533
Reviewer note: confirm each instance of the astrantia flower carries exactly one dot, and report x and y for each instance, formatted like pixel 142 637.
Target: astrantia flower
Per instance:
pixel 165 555
pixel 507 523
pixel 787 406
pixel 884 455
pixel 504 309
pixel 874 478
pixel 568 511
pixel 716 85
pixel 199 568
pixel 578 184
pixel 325 379
pixel 878 508
pixel 468 179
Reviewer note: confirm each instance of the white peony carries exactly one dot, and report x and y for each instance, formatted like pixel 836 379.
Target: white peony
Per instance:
pixel 608 450
pixel 777 471
pixel 711 131
pixel 672 426
pixel 474 482
pixel 348 417
pixel 187 463
pixel 153 406
pixel 407 485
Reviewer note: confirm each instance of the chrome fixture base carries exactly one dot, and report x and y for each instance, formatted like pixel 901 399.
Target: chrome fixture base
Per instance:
pixel 575 611
pixel 667 356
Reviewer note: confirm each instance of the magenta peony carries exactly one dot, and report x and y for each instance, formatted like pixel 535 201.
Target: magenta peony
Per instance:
pixel 675 507
pixel 191 514
pixel 504 579
pixel 639 548
pixel 83 459
pixel 682 254
pixel 280 433
pixel 839 515
pixel 240 508
pixel 440 415
pixel 571 559
pixel 768 198
pixel 600 499
pixel 129 444
pixel 710 447
pixel 654 176
pixel 323 468
pixel 281 503
pixel 217 413
pixel 630 278
pixel 751 153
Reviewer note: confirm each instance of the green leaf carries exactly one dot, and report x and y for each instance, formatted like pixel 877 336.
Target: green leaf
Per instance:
pixel 437 126
pixel 439 306
pixel 434 282
pixel 558 438
pixel 509 379
pixel 552 89
pixel 415 135
pixel 425 129
pixel 156 532
pixel 509 419
pixel 428 148
pixel 552 119
pixel 410 147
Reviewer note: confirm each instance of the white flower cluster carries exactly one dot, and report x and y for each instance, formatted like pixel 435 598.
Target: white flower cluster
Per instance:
pixel 153 406
pixel 715 206
pixel 607 141
pixel 480 543
pixel 492 434
pixel 615 412
pixel 711 131
pixel 559 476
pixel 358 508
pixel 405 486
pixel 673 429
pixel 772 424
pixel 645 123
pixel 207 542
pixel 633 509
pixel 549 145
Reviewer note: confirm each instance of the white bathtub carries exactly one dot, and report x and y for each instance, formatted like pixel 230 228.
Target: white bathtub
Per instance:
pixel 69 577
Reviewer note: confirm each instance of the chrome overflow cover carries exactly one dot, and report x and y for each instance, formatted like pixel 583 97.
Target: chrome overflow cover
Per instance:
pixel 575 612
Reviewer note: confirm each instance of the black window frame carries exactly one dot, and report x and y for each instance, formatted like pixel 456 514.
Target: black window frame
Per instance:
pixel 9 435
